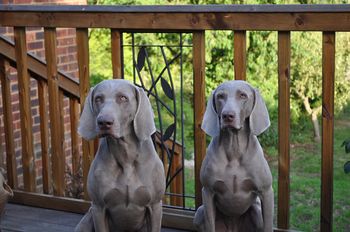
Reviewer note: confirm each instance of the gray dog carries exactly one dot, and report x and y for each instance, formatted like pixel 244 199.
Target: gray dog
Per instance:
pixel 126 180
pixel 237 183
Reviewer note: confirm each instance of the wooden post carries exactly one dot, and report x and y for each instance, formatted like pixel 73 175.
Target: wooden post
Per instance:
pixel 57 140
pixel 199 108
pixel 328 67
pixel 25 110
pixel 8 123
pixel 239 42
pixel 44 135
pixel 283 129
pixel 84 79
pixel 116 44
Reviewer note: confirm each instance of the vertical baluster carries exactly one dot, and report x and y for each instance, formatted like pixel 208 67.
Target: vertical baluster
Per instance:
pixel 283 128
pixel 44 135
pixel 57 140
pixel 74 118
pixel 116 44
pixel 8 123
pixel 328 69
pixel 239 42
pixel 83 63
pixel 25 110
pixel 199 108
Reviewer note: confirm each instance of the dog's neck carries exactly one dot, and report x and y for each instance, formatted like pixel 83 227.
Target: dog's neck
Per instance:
pixel 235 142
pixel 125 150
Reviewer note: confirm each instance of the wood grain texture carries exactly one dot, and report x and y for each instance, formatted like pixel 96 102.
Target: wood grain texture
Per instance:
pixel 296 21
pixel 210 8
pixel 240 57
pixel 8 123
pixel 44 135
pixel 25 110
pixel 328 74
pixel 117 50
pixel 74 119
pixel 37 68
pixel 57 140
pixel 284 50
pixel 84 79
pixel 199 108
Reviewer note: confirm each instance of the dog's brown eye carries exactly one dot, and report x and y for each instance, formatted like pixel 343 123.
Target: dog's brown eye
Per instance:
pixel 98 99
pixel 220 96
pixel 243 96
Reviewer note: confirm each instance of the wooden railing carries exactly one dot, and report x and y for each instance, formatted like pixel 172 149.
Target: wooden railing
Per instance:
pixel 195 19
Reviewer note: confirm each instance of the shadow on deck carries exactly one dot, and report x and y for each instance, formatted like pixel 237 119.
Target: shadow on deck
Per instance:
pixel 31 219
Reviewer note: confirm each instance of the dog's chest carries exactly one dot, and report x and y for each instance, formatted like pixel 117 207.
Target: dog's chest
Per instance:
pixel 233 187
pixel 127 188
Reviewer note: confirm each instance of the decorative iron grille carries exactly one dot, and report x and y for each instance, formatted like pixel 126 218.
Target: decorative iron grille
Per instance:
pixel 158 69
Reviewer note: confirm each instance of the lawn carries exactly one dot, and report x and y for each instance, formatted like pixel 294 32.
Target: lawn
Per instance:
pixel 305 179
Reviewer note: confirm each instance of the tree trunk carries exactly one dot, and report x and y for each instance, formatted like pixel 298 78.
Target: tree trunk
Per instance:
pixel 317 135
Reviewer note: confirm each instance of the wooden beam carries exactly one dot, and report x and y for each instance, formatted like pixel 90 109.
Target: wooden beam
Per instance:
pixel 84 79
pixel 240 58
pixel 199 108
pixel 57 140
pixel 44 135
pixel 8 123
pixel 25 110
pixel 328 70
pixel 37 68
pixel 116 45
pixel 158 21
pixel 283 129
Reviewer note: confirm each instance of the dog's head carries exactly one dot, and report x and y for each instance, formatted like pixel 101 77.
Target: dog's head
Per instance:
pixel 114 108
pixel 231 104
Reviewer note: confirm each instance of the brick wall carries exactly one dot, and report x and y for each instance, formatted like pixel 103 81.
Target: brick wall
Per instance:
pixel 67 63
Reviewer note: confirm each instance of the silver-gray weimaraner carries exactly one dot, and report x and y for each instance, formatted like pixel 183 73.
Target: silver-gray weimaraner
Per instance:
pixel 126 179
pixel 237 182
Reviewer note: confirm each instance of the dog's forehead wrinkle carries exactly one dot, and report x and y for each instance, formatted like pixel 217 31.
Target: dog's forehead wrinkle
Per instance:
pixel 113 89
pixel 232 89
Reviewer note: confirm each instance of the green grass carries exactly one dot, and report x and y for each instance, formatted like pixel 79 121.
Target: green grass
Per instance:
pixel 305 183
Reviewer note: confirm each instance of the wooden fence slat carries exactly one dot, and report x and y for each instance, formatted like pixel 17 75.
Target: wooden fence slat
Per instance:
pixel 83 63
pixel 239 42
pixel 8 123
pixel 116 44
pixel 199 108
pixel 328 70
pixel 74 118
pixel 284 49
pixel 44 135
pixel 57 139
pixel 37 68
pixel 25 110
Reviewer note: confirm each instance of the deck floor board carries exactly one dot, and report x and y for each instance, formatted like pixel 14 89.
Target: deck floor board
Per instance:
pixel 20 218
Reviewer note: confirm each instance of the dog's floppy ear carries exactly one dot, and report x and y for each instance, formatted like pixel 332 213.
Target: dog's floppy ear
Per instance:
pixel 259 119
pixel 144 118
pixel 87 128
pixel 211 124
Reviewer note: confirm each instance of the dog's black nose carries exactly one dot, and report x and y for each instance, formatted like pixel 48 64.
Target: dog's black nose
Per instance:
pixel 228 116
pixel 105 122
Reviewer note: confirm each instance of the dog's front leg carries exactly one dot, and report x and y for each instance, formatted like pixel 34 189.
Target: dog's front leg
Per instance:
pixel 100 219
pixel 209 210
pixel 267 209
pixel 156 217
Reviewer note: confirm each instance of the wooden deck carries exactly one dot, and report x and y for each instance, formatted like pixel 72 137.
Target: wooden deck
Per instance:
pixel 31 219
